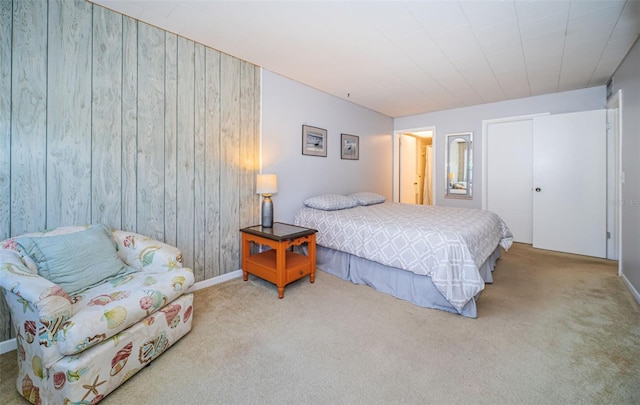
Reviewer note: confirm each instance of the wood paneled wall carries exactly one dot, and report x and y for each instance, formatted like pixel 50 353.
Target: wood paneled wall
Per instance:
pixel 105 119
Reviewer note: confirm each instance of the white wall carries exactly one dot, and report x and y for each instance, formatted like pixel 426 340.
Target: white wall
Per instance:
pixel 286 106
pixel 470 119
pixel 627 78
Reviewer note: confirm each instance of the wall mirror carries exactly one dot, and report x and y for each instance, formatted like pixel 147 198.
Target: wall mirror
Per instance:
pixel 459 165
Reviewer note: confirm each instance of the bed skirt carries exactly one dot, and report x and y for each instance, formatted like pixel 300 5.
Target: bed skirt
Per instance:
pixel 402 284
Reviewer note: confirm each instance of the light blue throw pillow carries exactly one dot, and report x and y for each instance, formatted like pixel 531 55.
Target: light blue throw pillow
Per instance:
pixel 75 261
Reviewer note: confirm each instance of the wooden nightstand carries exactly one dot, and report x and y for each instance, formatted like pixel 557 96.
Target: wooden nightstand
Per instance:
pixel 279 265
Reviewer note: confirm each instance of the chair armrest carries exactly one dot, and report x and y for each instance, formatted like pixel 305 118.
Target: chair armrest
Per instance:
pixel 146 254
pixel 47 298
pixel 39 308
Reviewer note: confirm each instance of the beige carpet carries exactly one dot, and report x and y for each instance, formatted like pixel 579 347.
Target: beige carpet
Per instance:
pixel 552 329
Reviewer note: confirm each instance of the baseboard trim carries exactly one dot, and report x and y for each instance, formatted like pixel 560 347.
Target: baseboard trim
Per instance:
pixel 215 280
pixel 9 345
pixel 631 288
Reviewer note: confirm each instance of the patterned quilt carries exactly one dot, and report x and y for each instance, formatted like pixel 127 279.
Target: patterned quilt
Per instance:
pixel 445 243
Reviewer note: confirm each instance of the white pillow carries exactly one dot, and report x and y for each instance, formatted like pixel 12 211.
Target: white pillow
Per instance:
pixel 330 202
pixel 367 198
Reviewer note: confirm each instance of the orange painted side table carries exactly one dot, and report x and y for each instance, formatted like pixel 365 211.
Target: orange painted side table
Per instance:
pixel 279 265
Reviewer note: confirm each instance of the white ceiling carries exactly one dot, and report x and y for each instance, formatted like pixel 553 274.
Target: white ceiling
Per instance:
pixel 408 57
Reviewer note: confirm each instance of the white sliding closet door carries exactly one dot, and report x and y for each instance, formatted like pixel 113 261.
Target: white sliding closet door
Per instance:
pixel 510 175
pixel 569 181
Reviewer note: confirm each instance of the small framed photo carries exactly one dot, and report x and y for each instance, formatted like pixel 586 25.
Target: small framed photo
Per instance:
pixel 349 147
pixel 314 141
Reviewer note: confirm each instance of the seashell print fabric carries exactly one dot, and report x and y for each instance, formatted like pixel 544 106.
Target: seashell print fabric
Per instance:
pixel 99 370
pixel 143 253
pixel 103 311
pixel 77 349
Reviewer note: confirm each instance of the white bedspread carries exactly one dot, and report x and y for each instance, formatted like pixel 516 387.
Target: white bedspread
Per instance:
pixel 445 243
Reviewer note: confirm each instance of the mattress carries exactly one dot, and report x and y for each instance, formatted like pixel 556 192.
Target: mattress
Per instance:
pixel 447 244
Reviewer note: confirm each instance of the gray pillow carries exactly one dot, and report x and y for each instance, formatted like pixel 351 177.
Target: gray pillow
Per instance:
pixel 330 202
pixel 368 198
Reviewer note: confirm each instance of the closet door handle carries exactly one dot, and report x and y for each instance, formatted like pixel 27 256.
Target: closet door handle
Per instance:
pixel 538 189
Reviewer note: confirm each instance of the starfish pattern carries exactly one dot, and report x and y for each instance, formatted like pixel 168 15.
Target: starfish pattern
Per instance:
pixel 93 388
pixel 173 264
pixel 25 305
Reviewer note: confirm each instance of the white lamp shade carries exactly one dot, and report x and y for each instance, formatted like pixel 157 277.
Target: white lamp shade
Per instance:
pixel 267 184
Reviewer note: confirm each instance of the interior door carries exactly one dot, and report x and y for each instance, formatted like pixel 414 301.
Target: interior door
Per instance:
pixel 428 176
pixel 569 181
pixel 408 172
pixel 510 176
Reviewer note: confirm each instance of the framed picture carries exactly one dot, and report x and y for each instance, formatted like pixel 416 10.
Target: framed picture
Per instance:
pixel 314 141
pixel 349 147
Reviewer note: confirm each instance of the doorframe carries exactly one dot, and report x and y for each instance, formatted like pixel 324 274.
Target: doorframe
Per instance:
pixel 396 159
pixel 485 151
pixel 614 181
pixel 614 178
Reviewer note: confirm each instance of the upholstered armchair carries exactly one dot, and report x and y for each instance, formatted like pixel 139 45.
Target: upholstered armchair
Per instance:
pixel 91 307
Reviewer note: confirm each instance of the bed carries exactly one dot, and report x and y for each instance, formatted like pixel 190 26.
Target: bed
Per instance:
pixel 433 256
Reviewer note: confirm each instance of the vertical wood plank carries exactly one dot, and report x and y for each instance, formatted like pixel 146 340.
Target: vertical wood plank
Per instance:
pixel 229 170
pixel 129 123
pixel 186 60
pixel 212 166
pixel 29 117
pixel 199 161
pixel 6 25
pixel 150 170
pixel 257 132
pixel 6 328
pixel 248 163
pixel 170 140
pixel 69 114
pixel 106 126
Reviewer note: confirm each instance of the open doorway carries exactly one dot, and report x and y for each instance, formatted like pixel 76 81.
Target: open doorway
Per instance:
pixel 414 177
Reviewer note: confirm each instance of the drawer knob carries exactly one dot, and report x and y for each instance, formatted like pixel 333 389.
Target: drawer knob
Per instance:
pixel 301 272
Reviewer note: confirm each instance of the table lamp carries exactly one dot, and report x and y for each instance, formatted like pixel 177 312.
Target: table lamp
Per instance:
pixel 267 184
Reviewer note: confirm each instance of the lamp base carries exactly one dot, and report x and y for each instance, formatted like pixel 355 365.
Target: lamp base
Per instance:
pixel 267 211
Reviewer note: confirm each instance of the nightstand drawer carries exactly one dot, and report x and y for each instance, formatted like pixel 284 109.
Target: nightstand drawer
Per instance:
pixel 297 266
pixel 263 264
